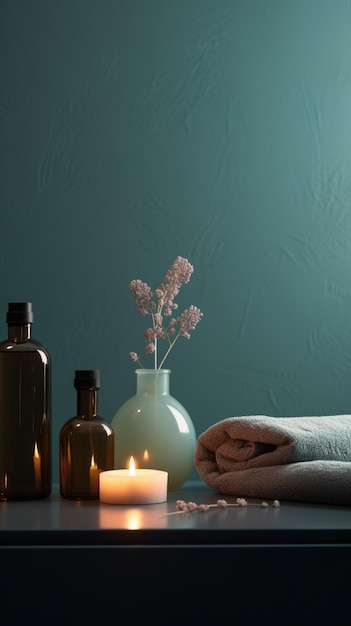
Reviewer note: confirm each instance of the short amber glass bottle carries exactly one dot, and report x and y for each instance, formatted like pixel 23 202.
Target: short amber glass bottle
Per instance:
pixel 86 442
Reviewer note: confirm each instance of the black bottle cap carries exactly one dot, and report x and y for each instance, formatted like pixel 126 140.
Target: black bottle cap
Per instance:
pixel 19 313
pixel 87 379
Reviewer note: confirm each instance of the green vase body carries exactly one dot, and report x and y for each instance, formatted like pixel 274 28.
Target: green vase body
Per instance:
pixel 154 428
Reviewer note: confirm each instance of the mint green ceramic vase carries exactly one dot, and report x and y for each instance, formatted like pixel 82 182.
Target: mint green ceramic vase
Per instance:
pixel 155 429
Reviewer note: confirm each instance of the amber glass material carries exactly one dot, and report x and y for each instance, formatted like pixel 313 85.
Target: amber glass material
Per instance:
pixel 25 410
pixel 86 442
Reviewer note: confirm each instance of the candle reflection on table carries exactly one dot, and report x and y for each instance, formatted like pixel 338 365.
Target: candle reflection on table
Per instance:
pixel 133 518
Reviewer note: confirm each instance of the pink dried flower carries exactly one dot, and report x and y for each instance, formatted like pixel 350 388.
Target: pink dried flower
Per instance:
pixel 222 504
pixel 180 504
pixel 192 506
pixel 160 304
pixel 203 507
pixel 241 501
pixel 188 320
pixel 142 296
pixel 179 272
pixel 134 357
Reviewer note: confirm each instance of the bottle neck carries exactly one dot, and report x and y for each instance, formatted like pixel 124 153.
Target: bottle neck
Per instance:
pixel 87 402
pixel 19 333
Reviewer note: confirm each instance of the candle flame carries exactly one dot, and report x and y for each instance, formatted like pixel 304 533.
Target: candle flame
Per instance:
pixel 93 464
pixel 146 455
pixel 36 451
pixel 131 467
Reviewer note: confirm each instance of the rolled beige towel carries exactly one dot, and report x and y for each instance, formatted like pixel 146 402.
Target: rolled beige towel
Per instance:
pixel 288 458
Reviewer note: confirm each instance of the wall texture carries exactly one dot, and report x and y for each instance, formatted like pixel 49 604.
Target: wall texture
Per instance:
pixel 134 131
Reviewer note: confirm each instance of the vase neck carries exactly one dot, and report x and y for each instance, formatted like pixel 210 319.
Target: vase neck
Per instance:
pixel 153 381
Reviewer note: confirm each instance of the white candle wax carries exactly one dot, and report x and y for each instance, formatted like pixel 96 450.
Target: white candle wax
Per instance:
pixel 143 486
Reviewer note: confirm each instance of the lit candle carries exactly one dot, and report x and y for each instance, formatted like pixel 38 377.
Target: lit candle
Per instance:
pixel 36 461
pixel 93 476
pixel 133 486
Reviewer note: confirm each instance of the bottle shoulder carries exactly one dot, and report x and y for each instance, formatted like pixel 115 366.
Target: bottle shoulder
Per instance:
pixel 31 345
pixel 82 423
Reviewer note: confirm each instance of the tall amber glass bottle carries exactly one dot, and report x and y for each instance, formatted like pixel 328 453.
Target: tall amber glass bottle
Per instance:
pixel 25 410
pixel 86 442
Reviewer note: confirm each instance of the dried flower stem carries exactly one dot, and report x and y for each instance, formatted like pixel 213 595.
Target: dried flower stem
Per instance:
pixel 191 507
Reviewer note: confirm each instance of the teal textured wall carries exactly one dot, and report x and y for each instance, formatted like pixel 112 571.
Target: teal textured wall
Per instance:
pixel 133 131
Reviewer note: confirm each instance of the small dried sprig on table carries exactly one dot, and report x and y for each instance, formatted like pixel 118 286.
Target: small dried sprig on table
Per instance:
pixel 191 507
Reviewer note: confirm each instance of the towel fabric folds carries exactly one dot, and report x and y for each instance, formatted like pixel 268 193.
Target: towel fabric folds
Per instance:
pixel 306 459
